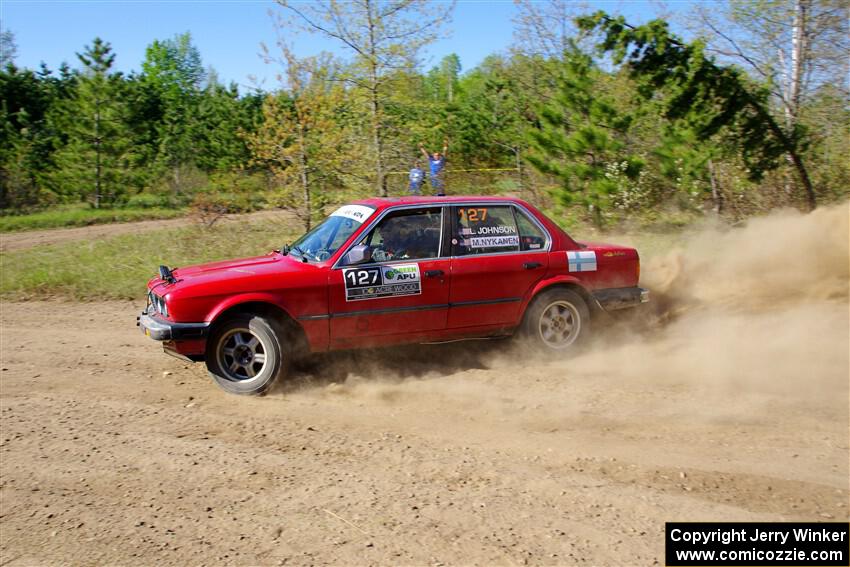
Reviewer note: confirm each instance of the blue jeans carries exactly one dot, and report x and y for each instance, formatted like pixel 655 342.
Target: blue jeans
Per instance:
pixel 437 185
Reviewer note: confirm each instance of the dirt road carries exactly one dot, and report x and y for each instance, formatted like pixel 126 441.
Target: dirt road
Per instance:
pixel 468 454
pixel 476 460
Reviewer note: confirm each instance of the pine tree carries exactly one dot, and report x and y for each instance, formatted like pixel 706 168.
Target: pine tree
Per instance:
pixel 96 162
pixel 704 96
pixel 580 140
pixel 222 116
pixel 174 73
pixel 691 164
pixel 22 107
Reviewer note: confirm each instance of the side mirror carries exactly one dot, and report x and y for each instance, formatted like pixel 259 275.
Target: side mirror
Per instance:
pixel 360 254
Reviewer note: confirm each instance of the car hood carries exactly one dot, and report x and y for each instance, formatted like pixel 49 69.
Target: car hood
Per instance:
pixel 251 265
pixel 255 273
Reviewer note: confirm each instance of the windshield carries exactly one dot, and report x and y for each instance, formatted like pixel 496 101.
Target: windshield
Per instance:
pixel 320 243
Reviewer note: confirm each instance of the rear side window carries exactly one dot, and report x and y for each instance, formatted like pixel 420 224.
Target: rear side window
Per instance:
pixel 484 229
pixel 531 236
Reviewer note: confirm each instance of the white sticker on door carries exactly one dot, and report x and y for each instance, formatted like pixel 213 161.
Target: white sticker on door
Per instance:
pixel 375 282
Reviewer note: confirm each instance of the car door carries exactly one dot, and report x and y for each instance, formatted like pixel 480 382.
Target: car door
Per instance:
pixel 402 293
pixel 498 253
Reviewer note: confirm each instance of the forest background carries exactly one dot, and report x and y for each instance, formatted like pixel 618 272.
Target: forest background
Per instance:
pixel 740 108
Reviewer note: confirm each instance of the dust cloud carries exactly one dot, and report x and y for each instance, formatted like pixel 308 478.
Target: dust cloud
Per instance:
pixel 760 308
pixel 744 322
pixel 786 258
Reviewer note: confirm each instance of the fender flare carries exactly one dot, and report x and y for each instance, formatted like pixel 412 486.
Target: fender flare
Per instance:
pixel 254 297
pixel 558 280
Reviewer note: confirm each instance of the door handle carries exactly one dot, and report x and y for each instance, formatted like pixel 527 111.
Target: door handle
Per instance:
pixel 434 273
pixel 532 265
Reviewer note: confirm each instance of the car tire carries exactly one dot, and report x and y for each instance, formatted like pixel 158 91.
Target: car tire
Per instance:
pixel 558 320
pixel 247 354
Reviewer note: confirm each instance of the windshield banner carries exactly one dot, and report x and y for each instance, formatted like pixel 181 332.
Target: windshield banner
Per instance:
pixel 358 213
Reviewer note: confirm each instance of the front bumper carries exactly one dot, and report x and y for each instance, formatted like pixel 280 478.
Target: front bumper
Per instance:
pixel 621 297
pixel 161 330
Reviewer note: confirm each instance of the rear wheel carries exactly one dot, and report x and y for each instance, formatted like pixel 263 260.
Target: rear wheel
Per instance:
pixel 247 354
pixel 557 320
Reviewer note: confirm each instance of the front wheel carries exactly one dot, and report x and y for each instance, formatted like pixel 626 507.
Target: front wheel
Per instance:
pixel 557 320
pixel 245 354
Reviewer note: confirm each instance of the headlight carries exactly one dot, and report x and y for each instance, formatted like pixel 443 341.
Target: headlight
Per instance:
pixel 158 303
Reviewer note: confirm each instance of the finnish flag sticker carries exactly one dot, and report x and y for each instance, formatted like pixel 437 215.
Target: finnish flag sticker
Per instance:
pixel 581 260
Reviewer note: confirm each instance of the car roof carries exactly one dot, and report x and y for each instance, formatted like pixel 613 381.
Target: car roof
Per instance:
pixel 380 204
pixel 385 202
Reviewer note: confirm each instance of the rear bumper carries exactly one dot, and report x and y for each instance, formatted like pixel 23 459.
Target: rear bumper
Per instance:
pixel 621 297
pixel 161 330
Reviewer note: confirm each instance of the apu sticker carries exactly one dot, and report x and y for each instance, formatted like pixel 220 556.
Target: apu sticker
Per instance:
pixel 581 261
pixel 354 212
pixel 374 282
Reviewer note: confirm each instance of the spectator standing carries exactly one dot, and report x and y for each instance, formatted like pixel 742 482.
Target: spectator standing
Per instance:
pixel 437 161
pixel 417 176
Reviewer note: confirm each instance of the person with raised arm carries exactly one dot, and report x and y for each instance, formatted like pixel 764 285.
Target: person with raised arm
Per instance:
pixel 437 162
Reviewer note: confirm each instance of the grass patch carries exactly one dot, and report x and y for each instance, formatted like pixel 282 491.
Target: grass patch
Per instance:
pixel 82 215
pixel 118 267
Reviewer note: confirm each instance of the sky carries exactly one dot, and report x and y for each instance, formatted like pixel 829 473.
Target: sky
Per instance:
pixel 228 32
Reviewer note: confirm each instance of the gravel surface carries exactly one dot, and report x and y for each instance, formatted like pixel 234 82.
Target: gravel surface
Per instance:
pixel 113 453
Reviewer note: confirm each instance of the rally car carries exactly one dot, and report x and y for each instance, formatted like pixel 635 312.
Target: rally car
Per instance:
pixel 378 272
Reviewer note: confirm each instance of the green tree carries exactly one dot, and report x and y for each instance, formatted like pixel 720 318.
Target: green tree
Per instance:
pixel 25 99
pixel 144 107
pixel 96 162
pixel 174 73
pixel 302 138
pixel 385 37
pixel 796 48
pixel 443 79
pixel 691 164
pixel 580 140
pixel 827 119
pixel 705 96
pixel 223 118
pixel 492 113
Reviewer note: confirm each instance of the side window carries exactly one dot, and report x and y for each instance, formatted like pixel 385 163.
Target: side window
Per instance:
pixel 531 237
pixel 484 229
pixel 409 234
